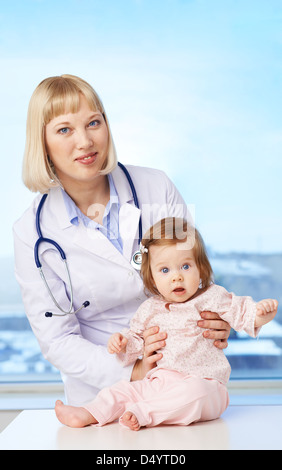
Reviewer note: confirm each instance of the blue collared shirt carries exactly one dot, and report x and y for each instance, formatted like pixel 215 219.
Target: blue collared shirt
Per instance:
pixel 110 227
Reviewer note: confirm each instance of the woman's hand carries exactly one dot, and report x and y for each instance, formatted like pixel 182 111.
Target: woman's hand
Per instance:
pixel 215 328
pixel 154 340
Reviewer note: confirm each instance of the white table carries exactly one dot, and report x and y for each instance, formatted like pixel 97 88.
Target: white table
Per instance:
pixel 240 427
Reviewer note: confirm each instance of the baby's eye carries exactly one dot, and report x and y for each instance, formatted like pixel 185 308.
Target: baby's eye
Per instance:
pixel 164 270
pixel 185 267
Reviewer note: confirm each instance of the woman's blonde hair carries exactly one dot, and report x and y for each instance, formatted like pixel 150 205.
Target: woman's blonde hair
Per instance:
pixel 171 231
pixel 52 97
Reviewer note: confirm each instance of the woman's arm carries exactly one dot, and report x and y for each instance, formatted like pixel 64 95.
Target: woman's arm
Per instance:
pixel 153 341
pixel 60 338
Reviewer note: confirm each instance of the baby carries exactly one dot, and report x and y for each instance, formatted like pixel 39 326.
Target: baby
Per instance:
pixel 188 383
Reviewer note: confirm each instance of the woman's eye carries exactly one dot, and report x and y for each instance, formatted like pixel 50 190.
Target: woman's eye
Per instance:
pixel 64 130
pixel 94 123
pixel 164 270
pixel 185 267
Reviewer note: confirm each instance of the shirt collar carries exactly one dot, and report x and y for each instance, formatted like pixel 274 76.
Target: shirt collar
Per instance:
pixel 74 213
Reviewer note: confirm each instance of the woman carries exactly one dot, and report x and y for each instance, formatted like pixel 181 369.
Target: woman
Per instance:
pixel 90 213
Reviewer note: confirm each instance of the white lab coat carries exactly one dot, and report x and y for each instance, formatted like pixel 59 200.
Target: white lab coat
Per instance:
pixel 76 344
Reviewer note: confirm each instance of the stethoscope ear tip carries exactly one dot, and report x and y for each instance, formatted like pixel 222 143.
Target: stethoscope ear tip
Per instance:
pixel 86 303
pixel 48 314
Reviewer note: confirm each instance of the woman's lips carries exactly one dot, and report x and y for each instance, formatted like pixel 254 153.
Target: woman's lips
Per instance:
pixel 87 159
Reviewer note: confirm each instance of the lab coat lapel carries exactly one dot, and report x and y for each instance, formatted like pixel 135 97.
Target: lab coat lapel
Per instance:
pixel 93 240
pixel 58 208
pixel 88 239
pixel 129 214
pixel 129 217
pixel 96 243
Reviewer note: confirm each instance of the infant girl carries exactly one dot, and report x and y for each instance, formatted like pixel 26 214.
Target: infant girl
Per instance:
pixel 188 383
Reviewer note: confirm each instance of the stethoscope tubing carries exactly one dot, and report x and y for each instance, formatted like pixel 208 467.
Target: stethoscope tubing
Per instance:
pixel 135 198
pixel 42 239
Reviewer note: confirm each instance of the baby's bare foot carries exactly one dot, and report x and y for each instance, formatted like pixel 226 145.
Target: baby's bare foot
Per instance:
pixel 130 420
pixel 75 417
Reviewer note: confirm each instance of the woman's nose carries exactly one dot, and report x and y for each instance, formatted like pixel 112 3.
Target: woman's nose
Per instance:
pixel 83 140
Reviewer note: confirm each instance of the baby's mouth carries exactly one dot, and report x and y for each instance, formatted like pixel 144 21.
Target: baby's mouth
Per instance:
pixel 179 290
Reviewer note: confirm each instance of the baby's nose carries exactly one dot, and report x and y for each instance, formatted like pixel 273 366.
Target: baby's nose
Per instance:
pixel 177 276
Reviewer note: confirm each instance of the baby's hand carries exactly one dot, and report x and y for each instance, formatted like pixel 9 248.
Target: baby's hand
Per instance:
pixel 117 343
pixel 266 311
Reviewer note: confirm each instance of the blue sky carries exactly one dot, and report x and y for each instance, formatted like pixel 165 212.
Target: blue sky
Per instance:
pixel 190 86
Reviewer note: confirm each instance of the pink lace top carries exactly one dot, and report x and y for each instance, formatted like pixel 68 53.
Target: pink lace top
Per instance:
pixel 186 349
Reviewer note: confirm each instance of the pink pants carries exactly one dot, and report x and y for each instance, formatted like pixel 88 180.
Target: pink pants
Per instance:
pixel 166 397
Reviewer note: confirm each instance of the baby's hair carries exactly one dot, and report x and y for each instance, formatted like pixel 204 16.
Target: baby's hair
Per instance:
pixel 175 231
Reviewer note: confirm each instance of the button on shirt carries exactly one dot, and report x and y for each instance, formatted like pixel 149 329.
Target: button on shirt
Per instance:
pixel 110 227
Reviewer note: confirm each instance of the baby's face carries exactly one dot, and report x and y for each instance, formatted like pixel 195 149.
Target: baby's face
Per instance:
pixel 174 271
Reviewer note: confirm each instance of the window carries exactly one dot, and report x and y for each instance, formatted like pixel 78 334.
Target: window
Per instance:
pixel 192 88
pixel 20 356
pixel 257 275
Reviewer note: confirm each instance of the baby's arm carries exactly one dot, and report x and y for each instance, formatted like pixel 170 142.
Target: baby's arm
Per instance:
pixel 117 343
pixel 241 312
pixel 129 345
pixel 266 311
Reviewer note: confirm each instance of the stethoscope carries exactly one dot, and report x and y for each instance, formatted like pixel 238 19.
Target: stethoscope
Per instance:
pixel 135 261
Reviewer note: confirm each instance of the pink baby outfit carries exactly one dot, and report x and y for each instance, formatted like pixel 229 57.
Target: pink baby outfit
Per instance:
pixel 189 381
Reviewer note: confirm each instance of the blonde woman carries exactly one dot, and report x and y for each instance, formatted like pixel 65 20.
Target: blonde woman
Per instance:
pixel 89 212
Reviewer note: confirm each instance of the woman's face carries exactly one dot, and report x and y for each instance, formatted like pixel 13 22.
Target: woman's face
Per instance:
pixel 77 144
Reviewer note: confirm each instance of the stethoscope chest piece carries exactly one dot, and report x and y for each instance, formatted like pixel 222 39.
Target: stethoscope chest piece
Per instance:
pixel 136 260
